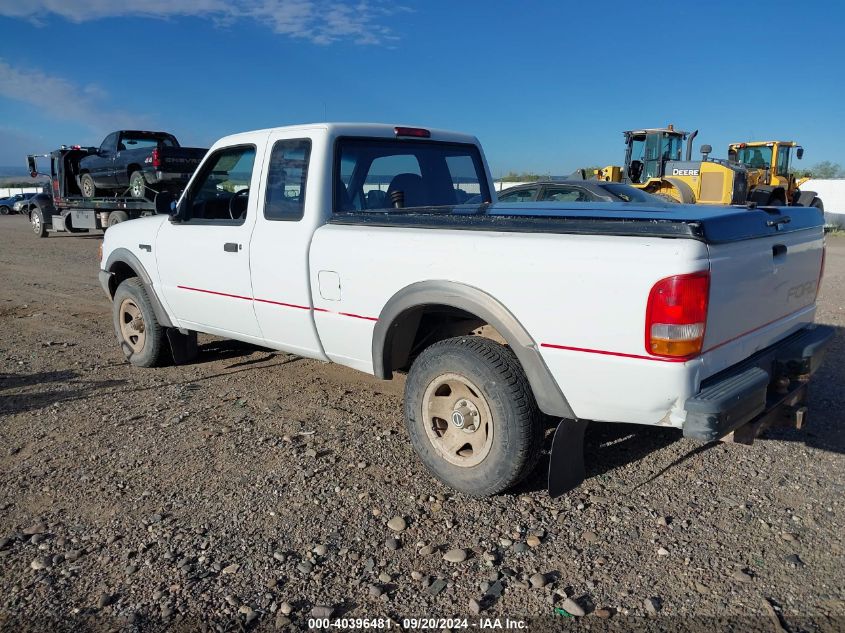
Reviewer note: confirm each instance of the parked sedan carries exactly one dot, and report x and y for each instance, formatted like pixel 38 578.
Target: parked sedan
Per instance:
pixel 576 191
pixel 7 205
pixel 20 204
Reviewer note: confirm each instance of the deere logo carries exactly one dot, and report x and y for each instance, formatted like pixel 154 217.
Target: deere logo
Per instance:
pixel 685 172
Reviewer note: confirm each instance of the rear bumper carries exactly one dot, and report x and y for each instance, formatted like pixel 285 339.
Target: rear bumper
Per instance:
pixel 759 387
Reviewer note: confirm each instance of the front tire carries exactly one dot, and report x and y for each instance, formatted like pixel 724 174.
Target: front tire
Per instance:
pixel 86 186
pixel 4 210
pixel 36 218
pixel 139 334
pixel 137 185
pixel 471 415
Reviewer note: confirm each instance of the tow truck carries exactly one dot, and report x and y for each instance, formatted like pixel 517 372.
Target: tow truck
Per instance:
pixel 65 209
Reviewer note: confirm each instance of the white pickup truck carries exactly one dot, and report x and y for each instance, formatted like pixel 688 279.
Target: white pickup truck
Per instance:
pixel 383 248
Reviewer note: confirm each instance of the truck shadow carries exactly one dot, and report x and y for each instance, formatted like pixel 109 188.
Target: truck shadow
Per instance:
pixel 15 381
pixel 228 349
pixel 14 403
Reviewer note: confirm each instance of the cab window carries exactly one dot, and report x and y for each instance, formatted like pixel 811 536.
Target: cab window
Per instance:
pixel 783 161
pixel 220 194
pixel 286 178
pixel 386 174
pixel 109 143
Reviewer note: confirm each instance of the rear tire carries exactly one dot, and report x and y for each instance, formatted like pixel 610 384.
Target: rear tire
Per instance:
pixel 137 185
pixel 471 415
pixel 116 217
pixel 86 186
pixel 4 210
pixel 139 333
pixel 36 218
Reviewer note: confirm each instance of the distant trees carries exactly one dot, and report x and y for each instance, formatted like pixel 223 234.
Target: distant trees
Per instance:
pixel 824 169
pixel 524 176
pixel 513 176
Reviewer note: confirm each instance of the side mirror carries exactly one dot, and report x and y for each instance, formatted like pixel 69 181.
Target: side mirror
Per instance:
pixel 165 204
pixel 799 153
pixel 30 163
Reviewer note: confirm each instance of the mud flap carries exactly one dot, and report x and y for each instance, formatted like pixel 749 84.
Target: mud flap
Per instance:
pixel 566 462
pixel 182 346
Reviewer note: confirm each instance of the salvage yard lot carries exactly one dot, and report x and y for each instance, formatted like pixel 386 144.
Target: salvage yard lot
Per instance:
pixel 252 486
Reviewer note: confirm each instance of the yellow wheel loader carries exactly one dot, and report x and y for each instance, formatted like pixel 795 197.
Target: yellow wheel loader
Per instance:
pixel 653 163
pixel 769 179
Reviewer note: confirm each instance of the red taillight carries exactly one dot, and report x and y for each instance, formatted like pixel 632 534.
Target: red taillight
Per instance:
pixel 676 315
pixel 155 158
pixel 412 131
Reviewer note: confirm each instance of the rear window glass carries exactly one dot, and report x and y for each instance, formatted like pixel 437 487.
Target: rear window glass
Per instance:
pixel 375 174
pixel 630 194
pixel 145 141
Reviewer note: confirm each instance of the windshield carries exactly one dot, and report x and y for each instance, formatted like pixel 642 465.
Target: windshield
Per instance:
pixel 670 147
pixel 756 157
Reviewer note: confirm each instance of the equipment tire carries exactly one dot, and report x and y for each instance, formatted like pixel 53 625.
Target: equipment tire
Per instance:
pixel 138 332
pixel 478 387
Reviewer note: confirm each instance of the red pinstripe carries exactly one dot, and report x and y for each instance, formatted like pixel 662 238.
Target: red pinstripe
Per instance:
pixel 278 303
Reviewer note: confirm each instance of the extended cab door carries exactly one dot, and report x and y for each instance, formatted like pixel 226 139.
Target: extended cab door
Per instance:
pixel 203 260
pixel 282 240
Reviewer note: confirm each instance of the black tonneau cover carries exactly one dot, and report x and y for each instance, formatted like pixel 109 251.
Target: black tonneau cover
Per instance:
pixel 710 224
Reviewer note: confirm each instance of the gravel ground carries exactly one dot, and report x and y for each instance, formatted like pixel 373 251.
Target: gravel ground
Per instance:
pixel 253 489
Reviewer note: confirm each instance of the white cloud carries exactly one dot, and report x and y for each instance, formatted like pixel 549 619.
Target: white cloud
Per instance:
pixel 61 99
pixel 321 21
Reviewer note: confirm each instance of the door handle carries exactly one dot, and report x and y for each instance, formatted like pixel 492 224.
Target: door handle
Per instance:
pixel 231 247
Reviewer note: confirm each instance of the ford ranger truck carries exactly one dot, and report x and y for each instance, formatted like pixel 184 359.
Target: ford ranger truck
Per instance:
pixel 140 163
pixel 348 243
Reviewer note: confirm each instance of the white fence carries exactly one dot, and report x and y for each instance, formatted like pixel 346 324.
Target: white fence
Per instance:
pixel 8 192
pixel 832 194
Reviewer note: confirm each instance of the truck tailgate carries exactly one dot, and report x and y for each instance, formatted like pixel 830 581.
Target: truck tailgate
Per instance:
pixel 761 289
pixel 180 159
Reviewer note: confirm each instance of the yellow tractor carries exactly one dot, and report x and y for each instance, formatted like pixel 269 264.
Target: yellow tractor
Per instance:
pixel 769 179
pixel 653 163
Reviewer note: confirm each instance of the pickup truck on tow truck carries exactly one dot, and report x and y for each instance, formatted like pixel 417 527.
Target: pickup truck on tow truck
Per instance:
pixel 349 243
pixel 134 161
pixel 69 203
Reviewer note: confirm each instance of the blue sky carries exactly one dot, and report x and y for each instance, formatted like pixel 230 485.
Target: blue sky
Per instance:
pixel 546 86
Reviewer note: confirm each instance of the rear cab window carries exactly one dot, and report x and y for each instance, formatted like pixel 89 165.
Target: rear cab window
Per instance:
pixel 287 174
pixel 145 140
pixel 386 174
